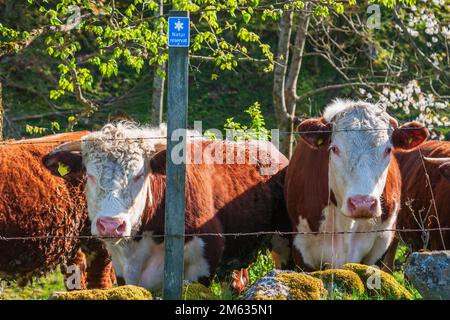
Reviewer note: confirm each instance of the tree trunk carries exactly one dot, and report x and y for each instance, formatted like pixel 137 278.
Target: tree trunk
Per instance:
pixel 292 78
pixel 157 108
pixel 157 98
pixel 286 77
pixel 280 70
pixel 2 112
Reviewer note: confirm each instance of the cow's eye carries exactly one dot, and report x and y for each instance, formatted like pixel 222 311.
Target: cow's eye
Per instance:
pixel 335 150
pixel 387 152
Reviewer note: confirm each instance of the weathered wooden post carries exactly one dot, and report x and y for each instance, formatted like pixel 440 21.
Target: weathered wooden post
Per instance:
pixel 177 102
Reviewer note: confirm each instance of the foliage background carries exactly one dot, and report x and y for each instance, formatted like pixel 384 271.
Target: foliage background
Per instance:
pixel 115 62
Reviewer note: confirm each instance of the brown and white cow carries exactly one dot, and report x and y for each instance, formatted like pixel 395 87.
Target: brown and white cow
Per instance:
pixel 425 200
pixel 35 203
pixel 125 167
pixel 342 178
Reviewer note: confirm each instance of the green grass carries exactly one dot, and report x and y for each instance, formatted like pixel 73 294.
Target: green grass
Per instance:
pixel 40 289
pixel 222 290
pixel 262 265
pixel 400 277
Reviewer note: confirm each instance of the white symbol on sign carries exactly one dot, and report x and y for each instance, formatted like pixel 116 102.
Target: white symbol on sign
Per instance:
pixel 179 25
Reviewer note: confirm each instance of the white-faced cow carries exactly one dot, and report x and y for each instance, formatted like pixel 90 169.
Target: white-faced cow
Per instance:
pixel 125 167
pixel 342 178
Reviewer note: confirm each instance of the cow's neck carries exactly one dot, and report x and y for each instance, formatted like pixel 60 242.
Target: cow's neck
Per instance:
pixel 153 215
pixel 321 250
pixel 145 253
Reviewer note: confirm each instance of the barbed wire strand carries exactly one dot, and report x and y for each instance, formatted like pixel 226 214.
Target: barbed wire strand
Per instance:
pixel 217 234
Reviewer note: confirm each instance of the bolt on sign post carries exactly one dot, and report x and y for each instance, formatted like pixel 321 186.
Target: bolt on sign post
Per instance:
pixel 177 101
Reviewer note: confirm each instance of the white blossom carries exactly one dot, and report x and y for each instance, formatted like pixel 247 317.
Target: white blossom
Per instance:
pixel 411 97
pixel 445 32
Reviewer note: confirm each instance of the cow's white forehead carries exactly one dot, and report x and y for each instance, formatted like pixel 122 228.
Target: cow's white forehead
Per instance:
pixel 359 121
pixel 122 143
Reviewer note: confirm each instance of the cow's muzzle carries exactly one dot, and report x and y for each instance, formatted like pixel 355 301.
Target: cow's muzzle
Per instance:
pixel 362 207
pixel 110 227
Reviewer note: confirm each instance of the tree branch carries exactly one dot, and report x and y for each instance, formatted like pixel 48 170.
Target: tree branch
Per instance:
pixel 88 104
pixel 296 63
pixel 343 85
pixel 8 48
pixel 280 68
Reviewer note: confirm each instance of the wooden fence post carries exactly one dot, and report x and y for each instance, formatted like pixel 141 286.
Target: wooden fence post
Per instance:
pixel 177 102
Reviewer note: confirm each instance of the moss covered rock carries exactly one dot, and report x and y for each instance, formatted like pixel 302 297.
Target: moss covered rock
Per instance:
pixel 345 282
pixel 196 291
pixel 286 285
pixel 127 292
pixel 379 283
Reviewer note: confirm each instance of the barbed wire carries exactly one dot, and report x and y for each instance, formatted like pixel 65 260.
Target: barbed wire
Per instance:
pixel 29 141
pixel 217 234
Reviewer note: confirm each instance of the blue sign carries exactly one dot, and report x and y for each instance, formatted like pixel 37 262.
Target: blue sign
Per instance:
pixel 178 32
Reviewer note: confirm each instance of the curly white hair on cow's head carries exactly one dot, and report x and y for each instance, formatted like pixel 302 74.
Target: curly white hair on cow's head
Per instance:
pixel 124 139
pixel 339 107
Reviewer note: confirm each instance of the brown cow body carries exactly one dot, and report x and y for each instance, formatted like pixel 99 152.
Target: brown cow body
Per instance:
pixel 33 202
pixel 418 209
pixel 126 198
pixel 220 198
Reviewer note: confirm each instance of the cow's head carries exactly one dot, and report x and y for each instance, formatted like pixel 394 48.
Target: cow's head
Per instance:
pixel 360 137
pixel 444 165
pixel 116 163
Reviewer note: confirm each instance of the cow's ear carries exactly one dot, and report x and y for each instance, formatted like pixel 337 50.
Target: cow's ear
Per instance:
pixel 444 165
pixel 160 146
pixel 409 135
pixel 316 132
pixel 66 164
pixel 158 162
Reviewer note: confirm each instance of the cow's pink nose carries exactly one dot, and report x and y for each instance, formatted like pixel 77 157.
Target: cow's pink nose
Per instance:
pixel 111 227
pixel 362 206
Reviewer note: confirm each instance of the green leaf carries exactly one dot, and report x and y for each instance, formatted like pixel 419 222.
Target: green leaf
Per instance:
pixel 246 16
pixel 63 169
pixel 55 125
